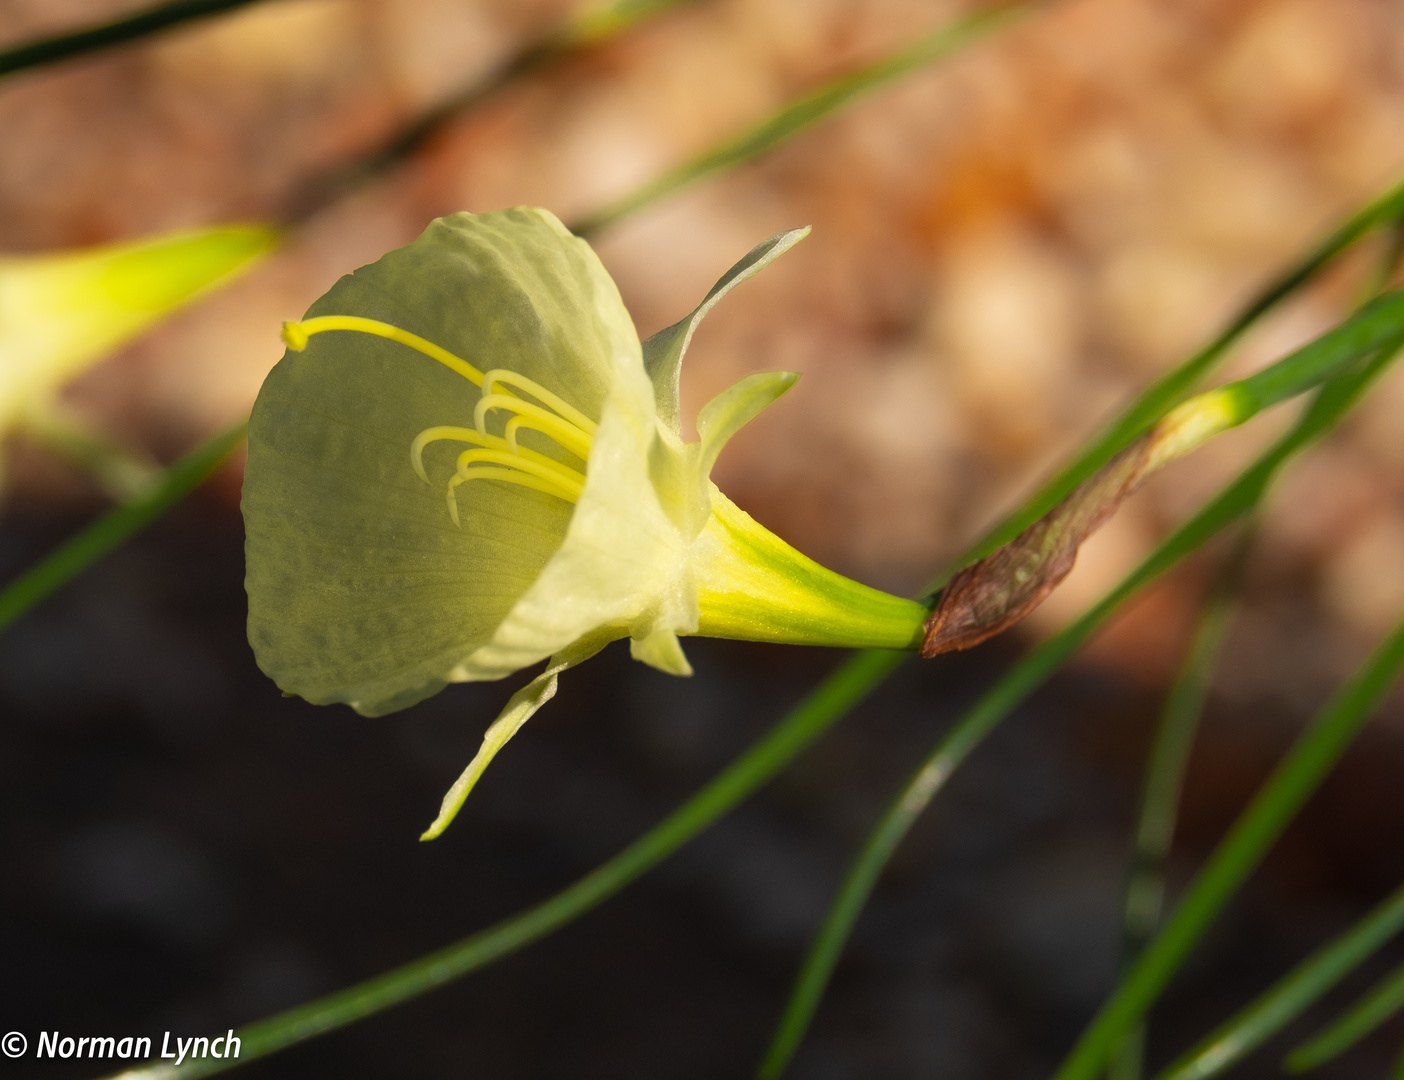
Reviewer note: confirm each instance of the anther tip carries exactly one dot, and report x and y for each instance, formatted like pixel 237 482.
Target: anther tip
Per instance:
pixel 294 336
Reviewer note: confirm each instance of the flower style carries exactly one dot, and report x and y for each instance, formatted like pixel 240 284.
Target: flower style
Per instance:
pixel 467 463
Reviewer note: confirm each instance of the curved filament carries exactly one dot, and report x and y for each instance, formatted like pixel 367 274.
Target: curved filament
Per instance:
pixel 498 457
pixel 567 434
pixel 564 478
pixel 513 476
pixel 571 414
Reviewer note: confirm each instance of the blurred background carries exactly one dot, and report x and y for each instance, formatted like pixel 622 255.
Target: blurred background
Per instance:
pixel 1007 245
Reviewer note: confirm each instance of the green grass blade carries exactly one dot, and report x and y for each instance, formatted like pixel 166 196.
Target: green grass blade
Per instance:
pixel 1171 388
pixel 1277 802
pixel 117 525
pixel 1315 362
pixel 799 115
pixel 853 680
pixel 64 46
pixel 1385 999
pixel 1032 671
pixel 1294 993
pixel 1165 775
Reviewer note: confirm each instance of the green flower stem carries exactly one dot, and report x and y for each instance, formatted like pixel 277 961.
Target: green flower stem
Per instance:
pixel 1378 322
pixel 1155 401
pixel 62 47
pixel 1277 802
pixel 853 680
pixel 1200 418
pixel 117 525
pixel 1384 1000
pixel 1298 990
pixel 1165 775
pixel 1233 503
pixel 797 116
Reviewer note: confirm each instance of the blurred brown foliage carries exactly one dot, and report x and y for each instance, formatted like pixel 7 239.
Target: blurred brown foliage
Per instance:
pixel 1005 246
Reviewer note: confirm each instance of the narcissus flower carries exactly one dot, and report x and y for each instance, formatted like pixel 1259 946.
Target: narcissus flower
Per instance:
pixel 59 313
pixel 467 463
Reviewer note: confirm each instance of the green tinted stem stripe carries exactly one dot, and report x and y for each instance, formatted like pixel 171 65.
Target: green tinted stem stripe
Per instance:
pixel 118 525
pixel 1299 989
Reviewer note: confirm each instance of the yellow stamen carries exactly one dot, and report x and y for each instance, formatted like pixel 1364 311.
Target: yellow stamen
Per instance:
pixel 442 432
pixel 562 477
pixel 514 476
pixel 564 432
pixel 523 423
pixel 502 457
pixel 536 390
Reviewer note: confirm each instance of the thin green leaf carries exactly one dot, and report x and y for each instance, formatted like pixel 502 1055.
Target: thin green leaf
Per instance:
pixel 1235 858
pixel 843 689
pixel 1218 1048
pixel 1233 503
pixel 117 525
pixel 1165 775
pixel 1294 993
pixel 144 23
pixel 1310 365
pixel 1176 384
pixel 1384 999
pixel 799 115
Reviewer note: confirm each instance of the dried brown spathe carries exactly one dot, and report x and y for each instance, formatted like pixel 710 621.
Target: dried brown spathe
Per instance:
pixel 989 596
